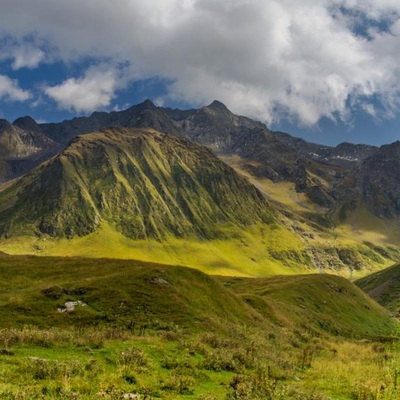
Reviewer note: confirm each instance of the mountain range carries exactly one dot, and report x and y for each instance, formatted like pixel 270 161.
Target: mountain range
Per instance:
pixel 202 176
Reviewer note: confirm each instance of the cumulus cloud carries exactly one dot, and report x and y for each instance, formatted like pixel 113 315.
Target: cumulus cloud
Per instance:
pixel 93 91
pixel 10 90
pixel 300 59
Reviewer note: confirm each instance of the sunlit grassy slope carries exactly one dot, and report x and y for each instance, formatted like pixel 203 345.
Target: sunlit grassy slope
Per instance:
pixel 245 253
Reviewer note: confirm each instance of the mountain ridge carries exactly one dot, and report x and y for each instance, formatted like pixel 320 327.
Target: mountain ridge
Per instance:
pixel 322 195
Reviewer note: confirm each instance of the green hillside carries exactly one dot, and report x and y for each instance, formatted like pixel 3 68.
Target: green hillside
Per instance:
pixel 158 331
pixel 32 289
pixel 146 184
pixel 316 302
pixel 116 292
pixel 384 287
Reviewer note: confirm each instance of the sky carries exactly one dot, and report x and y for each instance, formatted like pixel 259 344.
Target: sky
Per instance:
pixel 325 70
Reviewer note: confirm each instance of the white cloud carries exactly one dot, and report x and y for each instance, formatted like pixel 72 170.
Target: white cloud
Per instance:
pixel 262 58
pixel 10 90
pixel 93 91
pixel 24 53
pixel 27 57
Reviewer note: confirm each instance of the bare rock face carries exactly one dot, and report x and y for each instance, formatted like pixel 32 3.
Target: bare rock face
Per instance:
pixel 19 143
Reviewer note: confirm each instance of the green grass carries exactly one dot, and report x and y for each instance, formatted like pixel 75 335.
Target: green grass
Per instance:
pixel 244 363
pixel 114 291
pixel 176 333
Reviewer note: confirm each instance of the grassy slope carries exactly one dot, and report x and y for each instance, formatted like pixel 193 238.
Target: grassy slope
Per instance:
pixel 119 291
pixel 115 291
pixel 384 287
pixel 315 302
pixel 205 338
pixel 145 184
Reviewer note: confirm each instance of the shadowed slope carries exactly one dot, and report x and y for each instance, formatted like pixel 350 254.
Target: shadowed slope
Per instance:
pixel 384 287
pixel 316 302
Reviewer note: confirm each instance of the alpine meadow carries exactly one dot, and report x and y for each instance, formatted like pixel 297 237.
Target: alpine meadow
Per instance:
pixel 159 253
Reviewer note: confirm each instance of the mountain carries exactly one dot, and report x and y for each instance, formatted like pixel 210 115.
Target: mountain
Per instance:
pixel 147 184
pixel 315 170
pixel 312 169
pixel 146 195
pixel 344 154
pixel 144 115
pixel 380 182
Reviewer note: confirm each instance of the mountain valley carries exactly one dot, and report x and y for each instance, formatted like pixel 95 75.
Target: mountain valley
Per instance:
pixel 159 253
pixel 333 208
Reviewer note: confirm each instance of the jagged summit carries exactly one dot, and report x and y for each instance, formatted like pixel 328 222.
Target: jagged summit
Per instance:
pixel 144 105
pixel 218 106
pixel 148 104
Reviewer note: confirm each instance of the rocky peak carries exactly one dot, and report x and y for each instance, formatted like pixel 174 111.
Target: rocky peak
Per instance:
pixel 27 124
pixel 217 106
pixel 392 149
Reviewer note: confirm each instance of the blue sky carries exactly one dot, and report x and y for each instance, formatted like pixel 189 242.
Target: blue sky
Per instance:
pixel 325 70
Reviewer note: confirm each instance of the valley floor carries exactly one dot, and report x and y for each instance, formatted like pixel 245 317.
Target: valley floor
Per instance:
pixel 114 363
